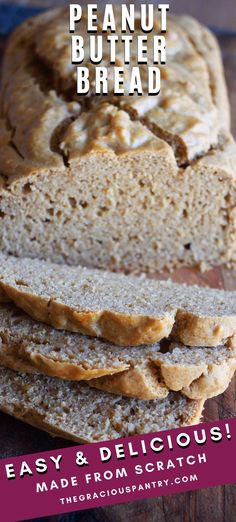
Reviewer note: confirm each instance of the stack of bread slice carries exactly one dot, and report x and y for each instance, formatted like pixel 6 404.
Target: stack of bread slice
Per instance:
pixel 94 355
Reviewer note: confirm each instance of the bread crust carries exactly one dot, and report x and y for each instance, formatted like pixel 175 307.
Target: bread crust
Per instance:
pixel 16 359
pixel 142 372
pixel 199 381
pixel 141 382
pixel 151 378
pixel 207 45
pixel 121 329
pixel 214 382
pixel 126 330
pixel 193 330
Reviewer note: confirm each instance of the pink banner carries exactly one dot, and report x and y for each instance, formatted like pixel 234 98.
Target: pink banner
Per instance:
pixel 118 471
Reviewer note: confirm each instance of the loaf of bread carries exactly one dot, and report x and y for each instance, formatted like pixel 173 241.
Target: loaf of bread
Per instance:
pixel 125 183
pixel 77 412
pixel 146 372
pixel 126 310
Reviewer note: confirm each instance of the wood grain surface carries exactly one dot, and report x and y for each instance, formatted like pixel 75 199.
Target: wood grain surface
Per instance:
pixel 211 505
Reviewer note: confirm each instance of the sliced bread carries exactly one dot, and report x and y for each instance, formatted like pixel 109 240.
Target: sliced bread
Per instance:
pixel 125 310
pixel 30 346
pixel 197 372
pixel 147 372
pixel 77 412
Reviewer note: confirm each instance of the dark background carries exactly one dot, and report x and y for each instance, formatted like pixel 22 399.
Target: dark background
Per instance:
pixel 210 505
pixel 213 12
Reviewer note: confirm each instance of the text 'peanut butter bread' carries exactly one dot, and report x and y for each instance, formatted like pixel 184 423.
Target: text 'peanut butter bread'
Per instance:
pixel 83 183
pixel 77 412
pixel 141 372
pixel 125 310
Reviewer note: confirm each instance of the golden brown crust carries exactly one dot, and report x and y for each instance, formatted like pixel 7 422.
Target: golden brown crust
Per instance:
pixel 207 45
pixel 16 359
pixel 149 379
pixel 142 372
pixel 193 330
pixel 15 362
pixel 42 80
pixel 214 382
pixel 121 329
pixel 138 382
pixel 127 330
pixel 141 382
pixel 199 381
pixel 69 371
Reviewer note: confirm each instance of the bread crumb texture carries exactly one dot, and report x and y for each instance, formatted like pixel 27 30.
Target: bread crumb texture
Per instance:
pixel 77 412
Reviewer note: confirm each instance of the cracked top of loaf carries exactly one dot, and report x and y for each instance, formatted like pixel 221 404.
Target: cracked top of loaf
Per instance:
pixel 44 123
pixel 106 128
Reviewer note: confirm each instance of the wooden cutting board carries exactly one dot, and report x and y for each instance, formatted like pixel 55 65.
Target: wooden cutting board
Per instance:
pixel 213 505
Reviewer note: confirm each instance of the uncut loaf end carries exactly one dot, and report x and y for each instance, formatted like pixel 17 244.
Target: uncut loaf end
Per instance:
pixel 137 183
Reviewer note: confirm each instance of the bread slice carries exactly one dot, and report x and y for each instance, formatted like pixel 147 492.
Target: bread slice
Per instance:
pixel 82 183
pixel 197 372
pixel 125 310
pixel 77 412
pixel 29 346
pixel 141 372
